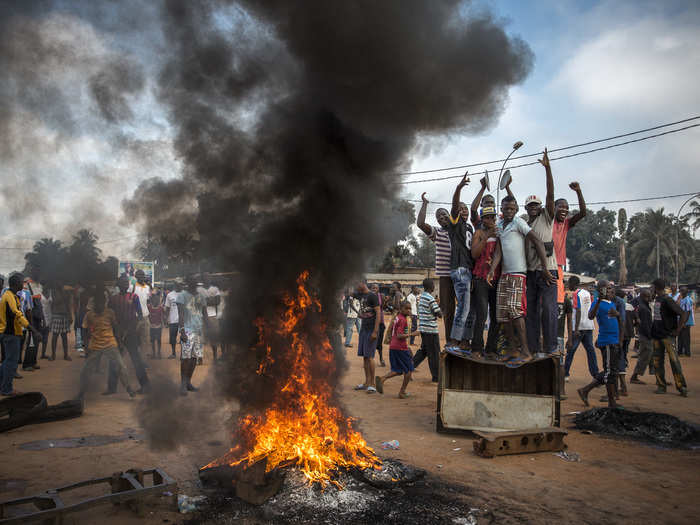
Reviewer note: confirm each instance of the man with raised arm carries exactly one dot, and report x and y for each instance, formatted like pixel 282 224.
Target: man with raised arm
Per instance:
pixel 485 201
pixel 443 254
pixel 511 306
pixel 461 264
pixel 542 275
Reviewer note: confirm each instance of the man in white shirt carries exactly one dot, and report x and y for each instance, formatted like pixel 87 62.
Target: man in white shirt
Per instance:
pixel 142 290
pixel 211 322
pixel 583 328
pixel 413 299
pixel 172 316
pixel 352 319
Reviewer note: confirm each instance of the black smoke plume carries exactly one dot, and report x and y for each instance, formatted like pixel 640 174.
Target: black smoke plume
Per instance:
pixel 291 119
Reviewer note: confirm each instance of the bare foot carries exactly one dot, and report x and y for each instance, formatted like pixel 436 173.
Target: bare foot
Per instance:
pixel 584 397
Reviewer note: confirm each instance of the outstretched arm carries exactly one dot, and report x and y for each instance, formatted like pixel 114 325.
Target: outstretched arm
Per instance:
pixel 457 195
pixel 510 193
pixel 549 200
pixel 420 221
pixel 477 201
pixel 581 205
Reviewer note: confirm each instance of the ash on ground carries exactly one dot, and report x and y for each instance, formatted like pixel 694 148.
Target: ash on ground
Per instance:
pixel 396 494
pixel 650 427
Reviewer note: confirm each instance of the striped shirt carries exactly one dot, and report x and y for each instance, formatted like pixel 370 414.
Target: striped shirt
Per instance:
pixel 428 311
pixel 443 251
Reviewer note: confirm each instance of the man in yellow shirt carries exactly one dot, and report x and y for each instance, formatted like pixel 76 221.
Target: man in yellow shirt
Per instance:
pixel 12 322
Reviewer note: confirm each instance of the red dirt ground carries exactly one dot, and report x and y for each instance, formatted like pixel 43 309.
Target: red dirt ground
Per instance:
pixel 616 480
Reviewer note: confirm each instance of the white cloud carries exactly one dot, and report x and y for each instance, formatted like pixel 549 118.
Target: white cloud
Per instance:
pixel 648 67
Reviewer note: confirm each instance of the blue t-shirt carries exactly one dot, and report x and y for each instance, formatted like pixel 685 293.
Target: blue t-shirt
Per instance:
pixel 687 305
pixel 608 328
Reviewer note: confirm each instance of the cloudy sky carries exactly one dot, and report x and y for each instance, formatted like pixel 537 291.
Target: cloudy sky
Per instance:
pixel 601 69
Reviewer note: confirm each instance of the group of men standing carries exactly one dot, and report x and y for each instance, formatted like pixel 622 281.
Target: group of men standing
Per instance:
pixel 508 269
pixel 112 325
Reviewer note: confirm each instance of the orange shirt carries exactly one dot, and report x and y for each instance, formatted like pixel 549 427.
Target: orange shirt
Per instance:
pixel 100 328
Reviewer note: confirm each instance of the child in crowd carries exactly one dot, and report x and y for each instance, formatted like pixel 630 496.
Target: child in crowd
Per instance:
pixel 400 358
pixel 155 313
pixel 609 328
pixel 428 313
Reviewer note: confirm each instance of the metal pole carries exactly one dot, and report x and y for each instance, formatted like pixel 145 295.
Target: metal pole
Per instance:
pixel 500 174
pixel 678 227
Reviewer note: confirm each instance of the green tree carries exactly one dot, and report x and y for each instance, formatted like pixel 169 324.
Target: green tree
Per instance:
pixel 46 260
pixel 591 246
pixel 693 216
pixel 651 242
pixel 622 230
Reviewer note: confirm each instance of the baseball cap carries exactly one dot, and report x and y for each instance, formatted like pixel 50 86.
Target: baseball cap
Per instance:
pixel 533 198
pixel 487 210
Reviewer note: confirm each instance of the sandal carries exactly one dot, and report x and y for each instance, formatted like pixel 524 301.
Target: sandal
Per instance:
pixel 361 386
pixel 404 395
pixel 371 390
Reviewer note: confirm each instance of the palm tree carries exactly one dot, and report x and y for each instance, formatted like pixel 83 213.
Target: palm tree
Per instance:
pixel 693 216
pixel 46 260
pixel 653 239
pixel 622 230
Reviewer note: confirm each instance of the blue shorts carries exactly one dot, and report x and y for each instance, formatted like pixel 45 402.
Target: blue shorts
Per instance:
pixel 366 347
pixel 401 361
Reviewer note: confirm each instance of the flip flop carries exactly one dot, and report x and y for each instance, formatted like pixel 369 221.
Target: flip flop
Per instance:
pixel 516 362
pixel 404 395
pixel 371 390
pixel 361 386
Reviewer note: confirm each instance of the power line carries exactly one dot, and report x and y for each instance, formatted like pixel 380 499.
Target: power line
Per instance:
pixel 553 158
pixel 658 197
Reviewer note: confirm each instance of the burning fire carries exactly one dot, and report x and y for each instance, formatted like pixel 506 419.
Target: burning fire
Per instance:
pixel 303 427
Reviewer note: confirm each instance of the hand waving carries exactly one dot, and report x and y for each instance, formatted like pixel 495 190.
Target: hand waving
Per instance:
pixel 423 198
pixel 545 159
pixel 465 180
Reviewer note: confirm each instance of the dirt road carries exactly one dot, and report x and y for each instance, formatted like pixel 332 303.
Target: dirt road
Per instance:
pixel 616 480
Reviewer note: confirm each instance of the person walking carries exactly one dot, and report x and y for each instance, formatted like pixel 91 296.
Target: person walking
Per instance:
pixel 666 323
pixel 369 331
pixel 412 299
pixel 100 324
pixel 172 314
pixel 127 310
pixel 192 308
pixel 646 347
pixel 428 314
pixel 687 305
pixel 61 319
pixel 352 311
pixel 582 329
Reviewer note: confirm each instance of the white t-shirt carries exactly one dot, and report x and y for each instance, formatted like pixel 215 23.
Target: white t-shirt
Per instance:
pixel 414 304
pixel 582 301
pixel 143 292
pixel 352 313
pixel 171 303
pixel 212 291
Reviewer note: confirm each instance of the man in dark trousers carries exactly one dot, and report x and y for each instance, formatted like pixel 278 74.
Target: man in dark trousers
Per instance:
pixel 666 323
pixel 127 309
pixel 645 344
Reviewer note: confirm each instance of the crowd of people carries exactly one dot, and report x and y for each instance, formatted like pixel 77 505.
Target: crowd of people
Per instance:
pixel 508 271
pixel 109 324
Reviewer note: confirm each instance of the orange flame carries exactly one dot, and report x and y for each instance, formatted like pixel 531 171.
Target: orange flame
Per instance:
pixel 303 426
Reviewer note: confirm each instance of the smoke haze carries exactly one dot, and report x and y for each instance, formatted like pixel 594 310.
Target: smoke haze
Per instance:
pixel 286 119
